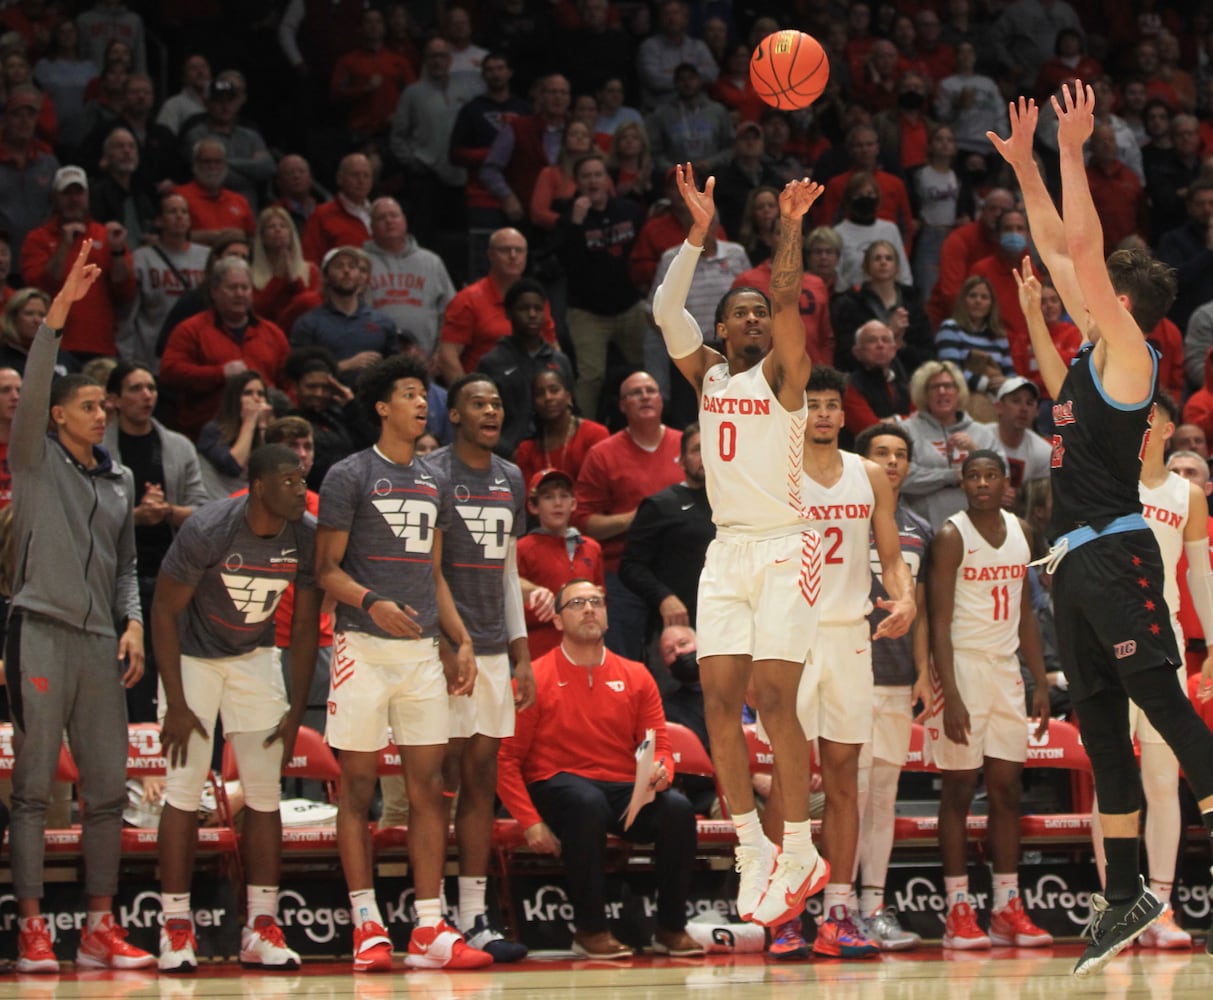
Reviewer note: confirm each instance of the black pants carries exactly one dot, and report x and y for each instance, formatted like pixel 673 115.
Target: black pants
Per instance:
pixel 582 812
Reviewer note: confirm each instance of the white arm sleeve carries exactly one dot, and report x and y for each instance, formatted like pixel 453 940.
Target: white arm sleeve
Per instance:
pixel 1200 584
pixel 682 334
pixel 515 616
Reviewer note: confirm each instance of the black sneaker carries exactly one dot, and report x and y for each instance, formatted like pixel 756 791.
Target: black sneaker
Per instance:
pixel 1115 926
pixel 489 938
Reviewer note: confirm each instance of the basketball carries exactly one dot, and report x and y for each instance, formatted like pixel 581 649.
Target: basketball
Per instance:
pixel 789 70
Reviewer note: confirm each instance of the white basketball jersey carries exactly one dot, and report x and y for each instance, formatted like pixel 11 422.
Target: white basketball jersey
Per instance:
pixel 989 588
pixel 842 516
pixel 1165 508
pixel 752 454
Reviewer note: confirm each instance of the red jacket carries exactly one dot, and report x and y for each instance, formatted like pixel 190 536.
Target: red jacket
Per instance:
pixel 90 325
pixel 814 309
pixel 332 226
pixel 585 721
pixel 196 352
pixel 543 559
pixel 529 157
pixel 964 246
pixel 894 201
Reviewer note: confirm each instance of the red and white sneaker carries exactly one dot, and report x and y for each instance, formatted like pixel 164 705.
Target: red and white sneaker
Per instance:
pixel 262 946
pixel 178 946
pixel 1165 934
pixel 754 865
pixel 962 931
pixel 105 947
pixel 372 948
pixel 34 950
pixel 791 884
pixel 443 947
pixel 1012 926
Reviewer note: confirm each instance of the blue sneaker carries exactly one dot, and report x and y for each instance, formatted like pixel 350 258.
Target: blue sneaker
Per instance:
pixel 787 943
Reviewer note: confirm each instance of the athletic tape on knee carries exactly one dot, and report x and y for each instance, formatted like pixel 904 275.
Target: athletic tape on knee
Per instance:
pixel 678 327
pixel 260 769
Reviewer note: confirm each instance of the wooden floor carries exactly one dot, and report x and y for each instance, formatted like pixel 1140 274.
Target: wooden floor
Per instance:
pixel 1005 974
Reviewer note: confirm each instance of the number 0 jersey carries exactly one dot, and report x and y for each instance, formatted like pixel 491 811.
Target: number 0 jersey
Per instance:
pixel 842 515
pixel 752 454
pixel 989 588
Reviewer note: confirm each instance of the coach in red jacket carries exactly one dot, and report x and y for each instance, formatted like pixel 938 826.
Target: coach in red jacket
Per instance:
pixel 567 772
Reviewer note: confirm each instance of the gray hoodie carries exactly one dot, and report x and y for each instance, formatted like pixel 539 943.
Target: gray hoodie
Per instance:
pixel 932 488
pixel 73 528
pixel 413 287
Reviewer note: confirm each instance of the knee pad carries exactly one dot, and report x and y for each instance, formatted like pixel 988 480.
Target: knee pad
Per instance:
pixel 260 770
pixel 183 785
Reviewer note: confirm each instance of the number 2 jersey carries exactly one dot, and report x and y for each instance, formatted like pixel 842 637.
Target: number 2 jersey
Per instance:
pixel 490 511
pixel 989 588
pixel 390 513
pixel 842 515
pixel 752 455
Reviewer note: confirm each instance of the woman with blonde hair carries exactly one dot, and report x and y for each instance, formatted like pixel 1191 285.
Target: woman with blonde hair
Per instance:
pixel 759 227
pixel 630 163
pixel 881 296
pixel 23 314
pixel 944 435
pixel 285 286
pixel 555 187
pixel 974 337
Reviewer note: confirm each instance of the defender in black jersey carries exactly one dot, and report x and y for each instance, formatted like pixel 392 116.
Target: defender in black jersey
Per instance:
pixel 1113 628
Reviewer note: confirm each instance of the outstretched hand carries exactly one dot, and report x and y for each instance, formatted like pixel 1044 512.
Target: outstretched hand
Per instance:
pixel 75 286
pixel 1075 114
pixel 1029 287
pixel 701 204
pixel 1017 148
pixel 797 198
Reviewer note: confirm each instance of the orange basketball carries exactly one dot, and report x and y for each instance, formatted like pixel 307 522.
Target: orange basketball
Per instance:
pixel 789 69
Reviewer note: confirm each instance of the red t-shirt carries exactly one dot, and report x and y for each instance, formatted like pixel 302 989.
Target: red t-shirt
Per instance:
pixel 531 458
pixel 476 318
pixel 332 226
pixel 225 210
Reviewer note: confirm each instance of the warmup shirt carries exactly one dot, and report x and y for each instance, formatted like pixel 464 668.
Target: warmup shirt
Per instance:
pixel 989 588
pixel 238 576
pixel 893 659
pixel 490 510
pixel 390 512
pixel 752 454
pixel 842 515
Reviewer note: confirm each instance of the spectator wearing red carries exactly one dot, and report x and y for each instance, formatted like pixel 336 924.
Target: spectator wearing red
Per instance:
pixel 634 463
pixel 662 230
pixel 224 340
pixel 965 246
pixel 27 167
pixel 1198 409
pixel 904 132
pixel 1167 339
pixel 878 389
pixel 1069 62
pixel 213 207
pixel 863 150
pixel 936 56
pixel 814 309
pixel 1066 337
pixel 1117 192
pixel 346 220
pixel 285 286
pixel 367 81
pixel 734 89
pixel 48 253
pixel 550 556
pixel 998 270
pixel 475 318
pixel 562 439
pixel 875 86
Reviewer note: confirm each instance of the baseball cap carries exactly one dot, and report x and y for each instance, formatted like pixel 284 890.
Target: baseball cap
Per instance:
pixel 65 177
pixel 222 89
pixel 1014 384
pixel 356 252
pixel 23 97
pixel 548 476
pixel 745 127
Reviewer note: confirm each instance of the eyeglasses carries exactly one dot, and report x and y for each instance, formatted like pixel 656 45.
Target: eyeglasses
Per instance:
pixel 577 603
pixel 644 390
pixel 942 387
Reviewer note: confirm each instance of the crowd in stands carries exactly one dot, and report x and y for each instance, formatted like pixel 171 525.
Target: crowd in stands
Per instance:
pixel 280 197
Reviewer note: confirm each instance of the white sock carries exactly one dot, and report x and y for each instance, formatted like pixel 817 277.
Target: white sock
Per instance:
pixel 1006 888
pixel 836 894
pixel 749 829
pixel 1162 890
pixel 176 905
pixel 96 918
pixel 871 899
pixel 798 841
pixel 956 890
pixel 429 912
pixel 471 900
pixel 363 908
pixel 262 902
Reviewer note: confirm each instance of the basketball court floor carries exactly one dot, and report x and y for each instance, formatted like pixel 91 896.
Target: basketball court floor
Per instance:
pixel 1005 974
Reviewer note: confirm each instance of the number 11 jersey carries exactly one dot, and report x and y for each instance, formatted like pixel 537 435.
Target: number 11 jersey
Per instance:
pixel 989 588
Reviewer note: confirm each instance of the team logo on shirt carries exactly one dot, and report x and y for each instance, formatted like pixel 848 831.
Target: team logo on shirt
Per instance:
pixel 412 521
pixel 256 597
pixel 489 527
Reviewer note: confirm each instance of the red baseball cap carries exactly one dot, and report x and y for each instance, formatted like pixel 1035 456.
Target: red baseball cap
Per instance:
pixel 547 476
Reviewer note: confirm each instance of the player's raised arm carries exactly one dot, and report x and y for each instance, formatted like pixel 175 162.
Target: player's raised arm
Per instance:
pixel 1048 231
pixel 1048 360
pixel 788 366
pixel 683 338
pixel 1131 376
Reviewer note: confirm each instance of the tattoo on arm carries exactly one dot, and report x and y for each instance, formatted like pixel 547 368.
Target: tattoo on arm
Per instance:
pixel 787 263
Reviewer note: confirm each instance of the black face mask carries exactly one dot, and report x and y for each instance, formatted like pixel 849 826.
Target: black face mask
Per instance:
pixel 685 668
pixel 976 176
pixel 911 100
pixel 864 207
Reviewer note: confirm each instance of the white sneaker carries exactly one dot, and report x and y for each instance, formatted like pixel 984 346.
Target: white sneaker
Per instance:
pixel 886 930
pixel 262 946
pixel 178 946
pixel 754 865
pixel 792 883
pixel 1166 934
